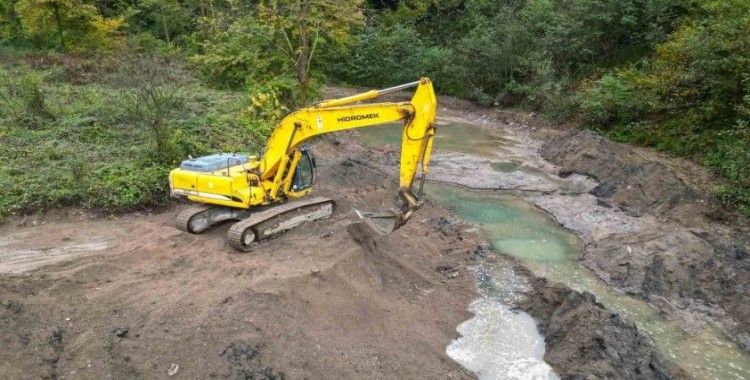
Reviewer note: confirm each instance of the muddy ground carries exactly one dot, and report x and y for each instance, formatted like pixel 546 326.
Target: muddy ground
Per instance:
pixel 329 300
pixel 131 296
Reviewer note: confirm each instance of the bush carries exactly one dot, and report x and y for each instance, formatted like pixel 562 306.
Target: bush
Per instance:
pixel 99 151
pixel 615 98
pixel 127 186
pixel 387 56
pixel 731 158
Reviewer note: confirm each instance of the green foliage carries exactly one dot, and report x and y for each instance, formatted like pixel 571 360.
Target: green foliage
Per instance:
pixel 66 24
pixel 10 24
pixel 508 52
pixel 156 101
pixel 127 186
pixel 615 98
pixel 299 26
pixel 690 98
pixel 240 56
pixel 99 149
pixel 22 95
pixel 382 56
pixel 731 158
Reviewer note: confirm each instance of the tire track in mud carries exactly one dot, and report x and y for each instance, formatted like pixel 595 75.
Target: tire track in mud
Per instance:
pixel 15 259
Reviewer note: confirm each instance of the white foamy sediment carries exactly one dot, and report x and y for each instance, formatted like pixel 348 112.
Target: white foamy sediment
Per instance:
pixel 499 343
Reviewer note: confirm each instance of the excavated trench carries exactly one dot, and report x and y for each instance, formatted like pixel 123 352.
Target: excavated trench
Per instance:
pixel 497 180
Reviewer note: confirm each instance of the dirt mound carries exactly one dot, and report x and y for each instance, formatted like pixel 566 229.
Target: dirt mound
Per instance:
pixel 679 270
pixel 688 264
pixel 636 183
pixel 585 340
pixel 323 301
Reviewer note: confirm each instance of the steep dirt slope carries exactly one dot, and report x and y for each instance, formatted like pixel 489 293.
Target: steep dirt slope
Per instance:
pixel 694 263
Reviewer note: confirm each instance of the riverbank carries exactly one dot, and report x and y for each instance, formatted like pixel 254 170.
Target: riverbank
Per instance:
pixel 656 247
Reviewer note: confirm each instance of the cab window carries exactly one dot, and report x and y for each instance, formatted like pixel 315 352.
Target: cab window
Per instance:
pixel 303 175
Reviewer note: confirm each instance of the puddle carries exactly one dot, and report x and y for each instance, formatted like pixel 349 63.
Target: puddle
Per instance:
pixel 516 227
pixel 500 343
pixel 497 158
pixel 452 137
pixel 519 229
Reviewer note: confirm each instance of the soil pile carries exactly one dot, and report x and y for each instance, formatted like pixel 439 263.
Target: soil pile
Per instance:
pixel 638 184
pixel 585 340
pixel 692 262
pixel 328 300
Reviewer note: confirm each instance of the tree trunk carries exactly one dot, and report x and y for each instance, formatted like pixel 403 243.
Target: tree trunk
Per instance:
pixel 304 51
pixel 58 19
pixel 164 23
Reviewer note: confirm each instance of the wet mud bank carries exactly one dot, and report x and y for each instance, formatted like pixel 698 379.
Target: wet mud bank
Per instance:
pixel 587 340
pixel 660 284
pixel 689 257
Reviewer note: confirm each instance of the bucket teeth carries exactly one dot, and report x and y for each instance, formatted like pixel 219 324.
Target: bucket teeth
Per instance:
pixel 381 222
pixel 385 222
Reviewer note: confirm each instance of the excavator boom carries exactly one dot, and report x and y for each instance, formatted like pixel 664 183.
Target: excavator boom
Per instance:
pixel 339 114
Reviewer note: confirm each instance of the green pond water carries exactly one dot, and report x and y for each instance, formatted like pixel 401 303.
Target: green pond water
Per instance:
pixel 453 137
pixel 517 228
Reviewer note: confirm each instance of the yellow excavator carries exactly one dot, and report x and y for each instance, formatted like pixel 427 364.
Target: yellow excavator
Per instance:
pixel 265 194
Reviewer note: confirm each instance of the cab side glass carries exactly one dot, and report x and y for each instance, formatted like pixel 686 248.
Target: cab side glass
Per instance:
pixel 303 176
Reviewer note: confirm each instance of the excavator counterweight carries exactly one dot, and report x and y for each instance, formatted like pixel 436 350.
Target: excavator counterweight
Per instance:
pixel 264 194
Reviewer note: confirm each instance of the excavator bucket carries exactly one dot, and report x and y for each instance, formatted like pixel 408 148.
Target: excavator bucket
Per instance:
pixel 381 222
pixel 385 222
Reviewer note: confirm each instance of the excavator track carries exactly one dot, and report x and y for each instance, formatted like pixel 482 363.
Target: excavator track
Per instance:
pixel 198 219
pixel 278 219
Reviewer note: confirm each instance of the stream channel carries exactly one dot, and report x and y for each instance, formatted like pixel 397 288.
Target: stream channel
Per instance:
pixel 501 342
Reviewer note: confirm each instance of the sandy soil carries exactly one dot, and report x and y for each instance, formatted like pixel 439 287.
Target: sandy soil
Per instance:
pixel 136 297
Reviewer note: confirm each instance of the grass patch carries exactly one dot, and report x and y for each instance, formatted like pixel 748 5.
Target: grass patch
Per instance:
pixel 107 139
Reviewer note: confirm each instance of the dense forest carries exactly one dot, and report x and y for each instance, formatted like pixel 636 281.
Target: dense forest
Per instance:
pixel 100 98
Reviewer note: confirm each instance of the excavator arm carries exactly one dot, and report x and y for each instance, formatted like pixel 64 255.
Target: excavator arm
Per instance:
pixel 342 114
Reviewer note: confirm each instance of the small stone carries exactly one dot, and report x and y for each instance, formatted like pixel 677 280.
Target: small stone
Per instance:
pixel 121 331
pixel 173 368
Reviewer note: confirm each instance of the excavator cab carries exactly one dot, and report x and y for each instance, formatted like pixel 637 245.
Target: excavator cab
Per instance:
pixel 304 173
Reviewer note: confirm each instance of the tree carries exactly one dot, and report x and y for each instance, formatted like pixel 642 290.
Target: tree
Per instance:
pixel 66 21
pixel 299 26
pixel 169 16
pixel 10 25
pixel 157 98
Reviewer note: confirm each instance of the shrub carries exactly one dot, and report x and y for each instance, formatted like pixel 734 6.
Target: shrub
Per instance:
pixel 99 151
pixel 127 186
pixel 385 56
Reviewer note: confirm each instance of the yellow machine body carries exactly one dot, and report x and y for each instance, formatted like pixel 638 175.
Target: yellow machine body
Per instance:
pixel 272 177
